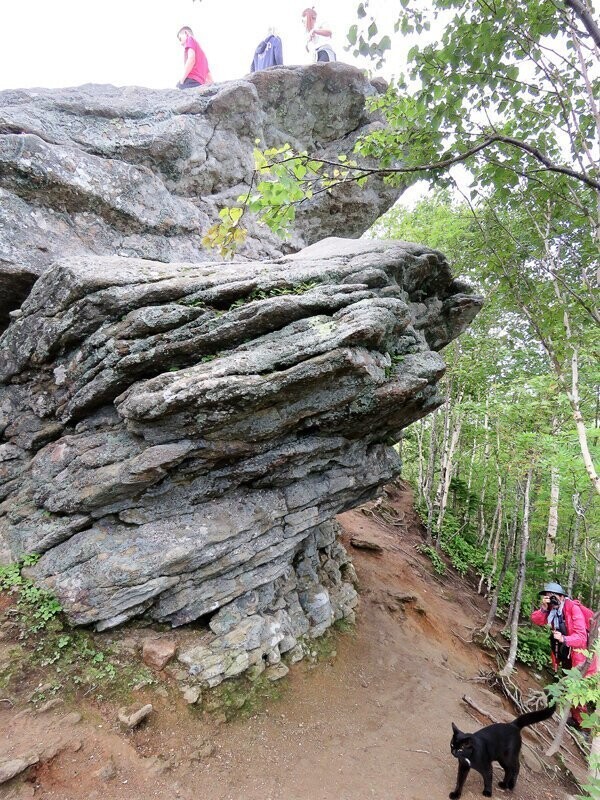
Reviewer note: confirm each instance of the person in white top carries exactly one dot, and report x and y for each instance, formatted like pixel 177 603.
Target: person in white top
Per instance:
pixel 318 40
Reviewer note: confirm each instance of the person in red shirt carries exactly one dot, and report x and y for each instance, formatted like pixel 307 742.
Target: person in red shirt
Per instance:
pixel 195 71
pixel 568 634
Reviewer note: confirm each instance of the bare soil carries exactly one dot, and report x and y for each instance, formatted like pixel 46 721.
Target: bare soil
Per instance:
pixel 370 719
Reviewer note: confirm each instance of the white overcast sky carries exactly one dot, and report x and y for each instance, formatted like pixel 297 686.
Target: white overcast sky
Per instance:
pixel 57 43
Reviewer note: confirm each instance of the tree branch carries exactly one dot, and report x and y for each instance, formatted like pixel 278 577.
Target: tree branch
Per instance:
pixel 460 157
pixel 584 14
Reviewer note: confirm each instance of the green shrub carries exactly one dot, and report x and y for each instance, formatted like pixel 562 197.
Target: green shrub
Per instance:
pixel 430 552
pixel 533 646
pixel 37 607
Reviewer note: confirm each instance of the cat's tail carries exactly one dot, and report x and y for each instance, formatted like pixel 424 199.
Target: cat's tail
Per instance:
pixel 533 716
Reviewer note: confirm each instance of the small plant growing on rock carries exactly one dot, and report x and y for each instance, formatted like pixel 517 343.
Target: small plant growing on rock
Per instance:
pixel 37 607
pixel 277 291
pixel 70 659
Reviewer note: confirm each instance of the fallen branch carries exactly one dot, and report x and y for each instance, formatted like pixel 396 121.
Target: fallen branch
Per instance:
pixel 482 711
pixel 466 641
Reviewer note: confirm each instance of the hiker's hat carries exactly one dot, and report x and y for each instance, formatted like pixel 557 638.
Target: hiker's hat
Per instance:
pixel 553 587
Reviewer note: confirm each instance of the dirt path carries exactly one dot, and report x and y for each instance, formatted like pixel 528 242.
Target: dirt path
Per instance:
pixel 373 721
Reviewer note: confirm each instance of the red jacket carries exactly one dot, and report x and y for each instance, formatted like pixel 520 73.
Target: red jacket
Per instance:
pixel 576 633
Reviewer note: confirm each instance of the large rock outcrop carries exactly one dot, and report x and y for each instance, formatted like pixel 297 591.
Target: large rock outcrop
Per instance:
pixel 100 170
pixel 177 434
pixel 178 438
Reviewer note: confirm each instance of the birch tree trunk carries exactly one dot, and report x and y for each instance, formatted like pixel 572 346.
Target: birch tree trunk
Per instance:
pixel 573 396
pixel 596 580
pixel 428 488
pixel 432 455
pixel 444 451
pixel 486 456
pixel 491 542
pixel 446 470
pixel 550 548
pixel 496 544
pixel 467 512
pixel 419 432
pixel 514 625
pixel 503 569
pixel 580 512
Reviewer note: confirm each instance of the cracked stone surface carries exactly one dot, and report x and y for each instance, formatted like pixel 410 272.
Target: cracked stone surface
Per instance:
pixel 101 170
pixel 177 439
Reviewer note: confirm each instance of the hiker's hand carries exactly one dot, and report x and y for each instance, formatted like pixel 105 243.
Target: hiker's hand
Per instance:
pixel 558 636
pixel 545 603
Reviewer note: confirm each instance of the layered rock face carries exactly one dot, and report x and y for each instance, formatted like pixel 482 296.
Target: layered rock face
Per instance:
pixel 177 434
pixel 100 170
pixel 178 438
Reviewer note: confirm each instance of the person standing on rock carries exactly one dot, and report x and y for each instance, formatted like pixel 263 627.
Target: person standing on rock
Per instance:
pixel 196 71
pixel 318 40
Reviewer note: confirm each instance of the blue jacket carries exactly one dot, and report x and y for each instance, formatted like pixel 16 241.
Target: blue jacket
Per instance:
pixel 267 54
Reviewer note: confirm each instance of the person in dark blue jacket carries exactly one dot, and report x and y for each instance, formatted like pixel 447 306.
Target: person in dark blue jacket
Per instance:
pixel 268 53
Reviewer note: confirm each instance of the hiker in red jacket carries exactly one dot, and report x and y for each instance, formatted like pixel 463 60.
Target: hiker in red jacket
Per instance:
pixel 569 634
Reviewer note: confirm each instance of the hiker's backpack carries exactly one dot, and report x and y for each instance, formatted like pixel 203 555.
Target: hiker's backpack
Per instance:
pixel 588 615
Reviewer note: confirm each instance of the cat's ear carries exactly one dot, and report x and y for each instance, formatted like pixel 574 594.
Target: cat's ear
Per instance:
pixel 455 729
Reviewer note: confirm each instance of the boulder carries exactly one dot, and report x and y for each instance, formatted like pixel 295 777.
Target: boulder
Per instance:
pixel 142 173
pixel 178 439
pixel 177 433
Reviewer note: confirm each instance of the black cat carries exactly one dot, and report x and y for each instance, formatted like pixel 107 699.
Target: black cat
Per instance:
pixel 499 742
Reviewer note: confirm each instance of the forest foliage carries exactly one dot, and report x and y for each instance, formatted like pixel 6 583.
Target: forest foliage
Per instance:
pixel 503 418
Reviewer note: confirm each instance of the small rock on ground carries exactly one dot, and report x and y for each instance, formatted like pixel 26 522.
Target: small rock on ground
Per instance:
pixel 73 718
pixel 107 772
pixel 132 718
pixel 191 694
pixel 8 769
pixel 365 544
pixel 205 750
pixel 157 652
pixel 276 671
pixel 156 766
